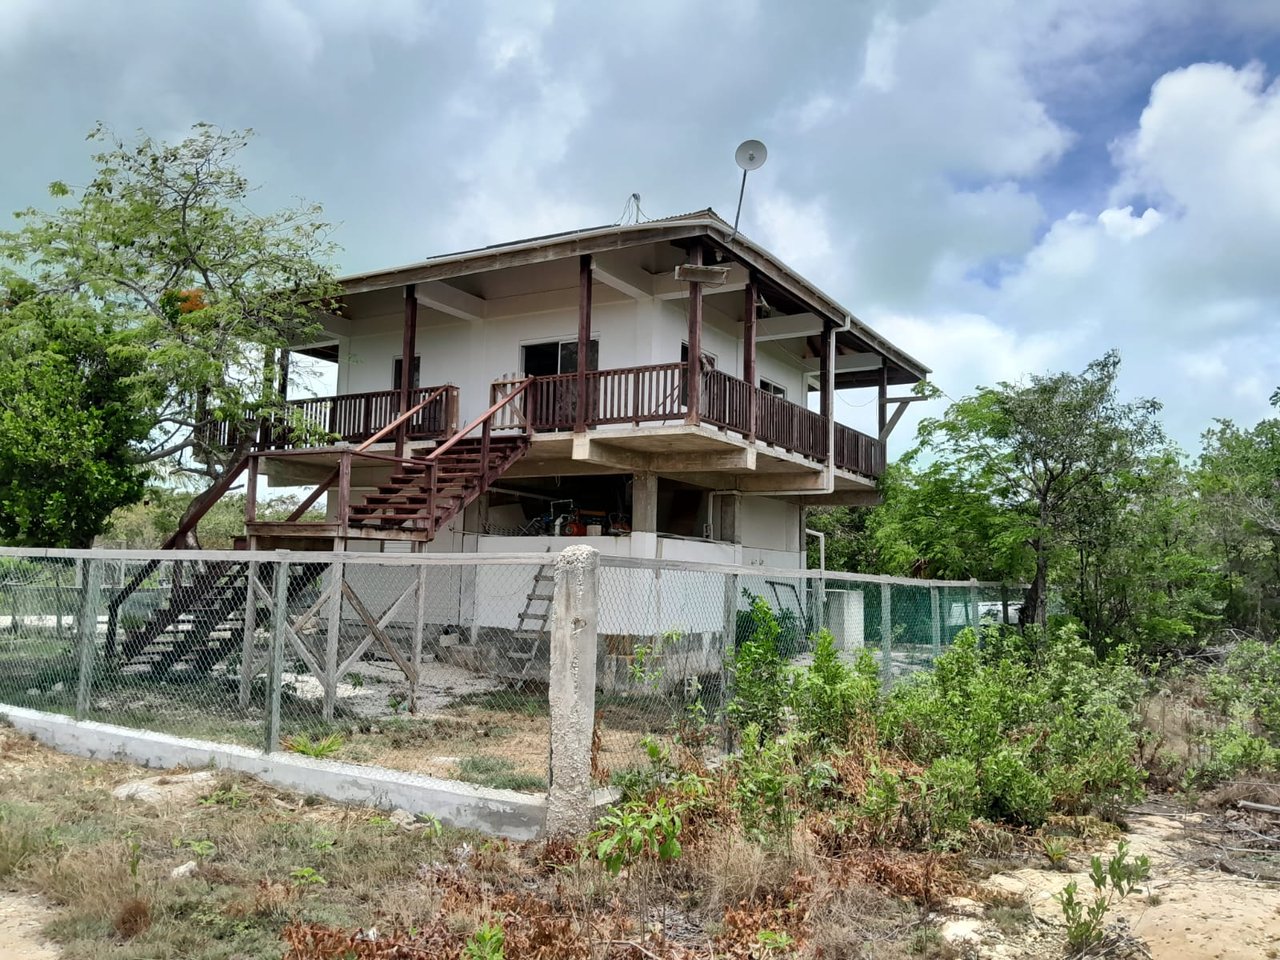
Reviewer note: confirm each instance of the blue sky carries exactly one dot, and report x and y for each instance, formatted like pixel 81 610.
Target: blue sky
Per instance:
pixel 1002 187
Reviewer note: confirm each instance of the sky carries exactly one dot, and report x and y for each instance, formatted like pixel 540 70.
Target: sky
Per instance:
pixel 1001 187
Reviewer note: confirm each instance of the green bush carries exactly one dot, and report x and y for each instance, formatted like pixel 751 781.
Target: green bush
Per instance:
pixel 1233 751
pixel 829 699
pixel 951 796
pixel 759 676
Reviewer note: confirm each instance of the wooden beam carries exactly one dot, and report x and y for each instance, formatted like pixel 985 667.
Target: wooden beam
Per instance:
pixel 790 327
pixel 636 284
pixel 846 363
pixel 449 299
pixel 584 339
pixel 693 372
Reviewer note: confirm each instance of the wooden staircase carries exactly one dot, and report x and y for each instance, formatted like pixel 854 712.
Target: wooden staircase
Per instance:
pixel 201 622
pixel 424 496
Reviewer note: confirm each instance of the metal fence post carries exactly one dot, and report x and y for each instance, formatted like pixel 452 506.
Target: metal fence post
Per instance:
pixel 935 621
pixel 886 633
pixel 337 575
pixel 975 618
pixel 275 657
pixel 87 634
pixel 728 650
pixel 573 689
pixel 248 643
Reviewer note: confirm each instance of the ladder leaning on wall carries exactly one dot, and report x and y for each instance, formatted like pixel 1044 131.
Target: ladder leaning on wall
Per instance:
pixel 534 621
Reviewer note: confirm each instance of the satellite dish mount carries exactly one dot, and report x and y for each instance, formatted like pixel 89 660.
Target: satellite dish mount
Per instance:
pixel 750 155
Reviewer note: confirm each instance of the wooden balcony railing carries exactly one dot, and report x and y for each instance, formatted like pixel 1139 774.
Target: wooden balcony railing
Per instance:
pixel 659 393
pixel 350 417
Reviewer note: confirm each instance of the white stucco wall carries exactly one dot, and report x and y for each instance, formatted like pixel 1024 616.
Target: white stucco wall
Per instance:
pixel 472 354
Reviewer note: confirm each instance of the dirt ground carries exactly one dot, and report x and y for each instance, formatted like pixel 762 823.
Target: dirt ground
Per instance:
pixel 1186 911
pixel 22 918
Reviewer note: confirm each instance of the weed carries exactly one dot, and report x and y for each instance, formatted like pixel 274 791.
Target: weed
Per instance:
pixel 1112 882
pixel 774 943
pixel 202 850
pixel 232 796
pixel 634 830
pixel 306 877
pixel 321 747
pixel 1056 850
pixel 486 943
pixel 1010 920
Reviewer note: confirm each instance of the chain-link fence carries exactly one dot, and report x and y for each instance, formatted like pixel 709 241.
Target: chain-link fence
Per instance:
pixel 430 663
pixel 669 631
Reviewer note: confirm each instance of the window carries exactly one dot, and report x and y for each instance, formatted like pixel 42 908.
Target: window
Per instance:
pixel 399 366
pixel 708 360
pixel 768 386
pixel 557 356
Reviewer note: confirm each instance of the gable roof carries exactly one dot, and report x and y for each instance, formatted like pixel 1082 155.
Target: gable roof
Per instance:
pixel 854 335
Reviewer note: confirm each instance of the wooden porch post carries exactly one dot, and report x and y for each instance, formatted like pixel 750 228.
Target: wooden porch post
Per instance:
pixel 282 382
pixel 406 360
pixel 694 371
pixel 584 338
pixel 883 405
pixel 828 387
pixel 749 354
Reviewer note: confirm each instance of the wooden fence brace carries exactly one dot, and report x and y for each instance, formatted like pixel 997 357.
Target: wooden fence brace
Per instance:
pixel 275 658
pixel 87 634
pixel 248 644
pixel 336 575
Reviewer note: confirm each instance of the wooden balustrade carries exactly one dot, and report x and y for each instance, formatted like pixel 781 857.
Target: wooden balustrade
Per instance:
pixel 350 417
pixel 658 393
pixel 858 452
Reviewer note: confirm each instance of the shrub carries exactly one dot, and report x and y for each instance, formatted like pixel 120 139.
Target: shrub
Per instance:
pixel 1111 884
pixel 759 677
pixel 950 796
pixel 831 701
pixel 766 778
pixel 1011 790
pixel 635 830
pixel 1232 751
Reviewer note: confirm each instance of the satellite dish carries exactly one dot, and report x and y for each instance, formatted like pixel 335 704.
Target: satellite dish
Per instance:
pixel 751 155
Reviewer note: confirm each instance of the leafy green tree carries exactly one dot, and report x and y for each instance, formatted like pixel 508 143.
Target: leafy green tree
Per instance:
pixel 69 423
pixel 1040 450
pixel 161 242
pixel 1238 481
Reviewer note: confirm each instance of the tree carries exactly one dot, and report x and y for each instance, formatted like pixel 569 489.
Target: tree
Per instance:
pixel 162 245
pixel 1238 479
pixel 69 423
pixel 1043 450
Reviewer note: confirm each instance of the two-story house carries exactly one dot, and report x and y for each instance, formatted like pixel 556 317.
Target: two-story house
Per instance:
pixel 645 386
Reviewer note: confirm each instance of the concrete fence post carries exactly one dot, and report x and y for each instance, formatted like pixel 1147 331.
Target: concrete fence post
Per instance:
pixel 275 654
pixel 87 634
pixel 573 688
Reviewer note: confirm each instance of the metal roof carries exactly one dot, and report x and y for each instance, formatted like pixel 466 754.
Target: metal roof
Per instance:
pixel 708 223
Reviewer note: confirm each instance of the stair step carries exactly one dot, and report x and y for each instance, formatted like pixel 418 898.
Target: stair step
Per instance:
pixel 540 596
pixel 526 615
pixel 528 634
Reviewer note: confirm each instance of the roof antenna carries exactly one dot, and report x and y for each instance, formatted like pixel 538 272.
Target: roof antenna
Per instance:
pixel 750 155
pixel 631 212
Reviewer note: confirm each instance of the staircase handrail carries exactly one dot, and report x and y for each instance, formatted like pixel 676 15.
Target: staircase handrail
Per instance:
pixel 403 418
pixel 480 420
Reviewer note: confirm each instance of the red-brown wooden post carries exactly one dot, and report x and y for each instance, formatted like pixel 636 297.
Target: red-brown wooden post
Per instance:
pixel 406 360
pixel 749 354
pixel 251 491
pixel 584 338
pixel 693 372
pixel 883 406
pixel 344 493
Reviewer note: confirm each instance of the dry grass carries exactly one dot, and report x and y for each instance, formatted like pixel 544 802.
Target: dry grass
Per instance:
pixel 255 893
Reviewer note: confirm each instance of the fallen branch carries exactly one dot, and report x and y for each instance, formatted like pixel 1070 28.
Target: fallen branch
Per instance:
pixel 1257 807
